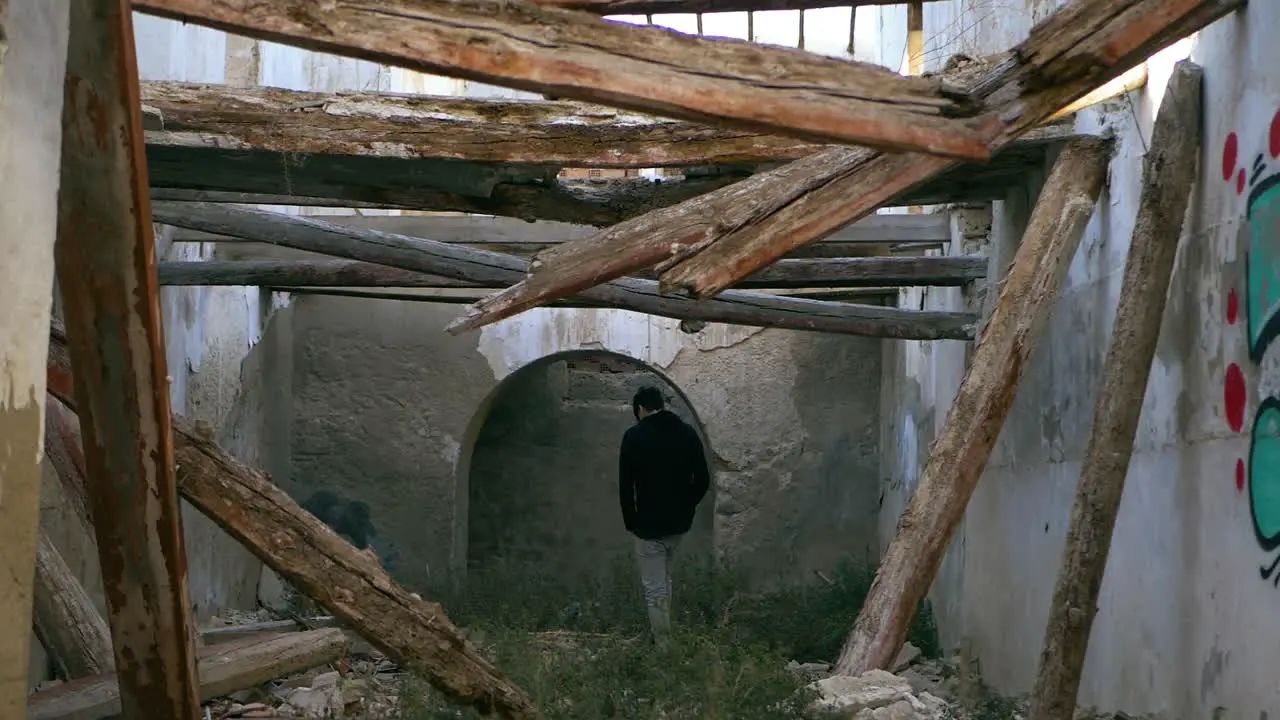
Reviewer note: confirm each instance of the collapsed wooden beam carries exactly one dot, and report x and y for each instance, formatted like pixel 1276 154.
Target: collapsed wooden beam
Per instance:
pixel 656 7
pixel 708 243
pixel 460 296
pixel 223 669
pixel 104 254
pixel 836 272
pixel 33 48
pixel 1169 170
pixel 471 265
pixel 348 582
pixel 649 69
pixel 67 622
pixel 959 454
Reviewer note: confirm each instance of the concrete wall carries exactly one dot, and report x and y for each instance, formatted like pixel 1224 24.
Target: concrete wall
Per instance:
pixel 386 409
pixel 1191 577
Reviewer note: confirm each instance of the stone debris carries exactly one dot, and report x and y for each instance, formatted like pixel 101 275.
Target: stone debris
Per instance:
pixel 876 695
pixel 365 687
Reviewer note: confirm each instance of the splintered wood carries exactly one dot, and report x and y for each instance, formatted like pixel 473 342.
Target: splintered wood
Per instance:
pixel 646 68
pixel 1168 174
pixel 960 453
pixel 708 243
pixel 70 628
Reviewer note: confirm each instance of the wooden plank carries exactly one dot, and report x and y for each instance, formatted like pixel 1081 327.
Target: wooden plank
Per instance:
pixel 104 261
pixel 67 622
pixel 224 669
pixel 836 272
pixel 648 69
pixel 478 230
pixel 33 44
pixel 708 243
pixel 1169 170
pixel 460 296
pixel 959 454
pixel 656 7
pixel 348 582
pixel 471 265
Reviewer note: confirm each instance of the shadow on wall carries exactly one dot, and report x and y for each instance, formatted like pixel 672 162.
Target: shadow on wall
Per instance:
pixel 540 478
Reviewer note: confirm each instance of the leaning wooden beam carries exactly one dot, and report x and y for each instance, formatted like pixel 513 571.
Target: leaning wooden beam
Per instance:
pixel 68 624
pixel 223 669
pixel 708 243
pixel 33 47
pixel 478 266
pixel 104 261
pixel 835 272
pixel 960 453
pixel 348 582
pixel 451 296
pixel 1167 176
pixel 656 7
pixel 649 69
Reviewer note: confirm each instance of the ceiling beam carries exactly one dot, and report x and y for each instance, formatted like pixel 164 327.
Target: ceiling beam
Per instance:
pixel 660 7
pixel 467 264
pixel 708 243
pixel 644 68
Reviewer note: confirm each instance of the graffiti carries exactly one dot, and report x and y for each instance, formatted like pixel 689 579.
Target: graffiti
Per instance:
pixel 1257 181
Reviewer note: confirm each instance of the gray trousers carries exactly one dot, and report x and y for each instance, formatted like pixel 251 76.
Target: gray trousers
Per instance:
pixel 655 558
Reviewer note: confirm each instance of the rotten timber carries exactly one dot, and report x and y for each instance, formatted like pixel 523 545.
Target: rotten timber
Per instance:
pixel 33 43
pixel 105 252
pixel 960 453
pixel 708 243
pixel 348 582
pixel 656 7
pixel 831 273
pixel 471 265
pixel 68 624
pixel 1167 176
pixel 223 669
pixel 644 68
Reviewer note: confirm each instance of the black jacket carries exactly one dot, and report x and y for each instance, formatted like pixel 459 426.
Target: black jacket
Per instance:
pixel 662 476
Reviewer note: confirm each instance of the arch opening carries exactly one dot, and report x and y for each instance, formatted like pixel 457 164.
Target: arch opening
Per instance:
pixel 537 482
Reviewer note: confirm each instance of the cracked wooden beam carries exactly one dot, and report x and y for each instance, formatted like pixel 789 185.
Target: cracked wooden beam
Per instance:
pixel 708 243
pixel 830 273
pixel 67 622
pixel 648 69
pixel 471 265
pixel 657 7
pixel 104 259
pixel 349 583
pixel 960 453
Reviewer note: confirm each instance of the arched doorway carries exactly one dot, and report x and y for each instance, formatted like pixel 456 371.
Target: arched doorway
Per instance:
pixel 540 472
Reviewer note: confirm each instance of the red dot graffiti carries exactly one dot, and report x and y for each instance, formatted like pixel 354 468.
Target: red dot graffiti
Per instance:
pixel 1275 135
pixel 1229 153
pixel 1234 396
pixel 1240 475
pixel 1233 306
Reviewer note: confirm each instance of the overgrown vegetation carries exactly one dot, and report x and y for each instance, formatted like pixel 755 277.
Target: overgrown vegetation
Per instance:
pixel 580 645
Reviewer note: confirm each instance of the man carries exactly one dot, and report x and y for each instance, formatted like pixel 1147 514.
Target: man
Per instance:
pixel 662 476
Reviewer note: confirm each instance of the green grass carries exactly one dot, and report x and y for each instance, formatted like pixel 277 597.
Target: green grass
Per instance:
pixel 579 644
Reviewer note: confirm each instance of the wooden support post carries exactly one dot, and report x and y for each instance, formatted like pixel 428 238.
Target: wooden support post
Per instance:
pixel 960 453
pixel 106 273
pixel 348 582
pixel 71 629
pixel 33 47
pixel 470 265
pixel 708 243
pixel 1167 177
pixel 224 669
pixel 644 68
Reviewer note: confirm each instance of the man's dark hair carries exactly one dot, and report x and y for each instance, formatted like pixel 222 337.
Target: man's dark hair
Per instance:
pixel 647 397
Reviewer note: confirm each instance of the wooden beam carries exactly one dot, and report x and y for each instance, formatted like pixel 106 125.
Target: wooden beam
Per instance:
pixel 348 582
pixel 656 7
pixel 460 296
pixel 68 624
pixel 479 266
pixel 224 669
pixel 836 272
pixel 33 47
pixel 708 243
pixel 959 454
pixel 648 69
pixel 447 128
pixel 1169 170
pixel 104 261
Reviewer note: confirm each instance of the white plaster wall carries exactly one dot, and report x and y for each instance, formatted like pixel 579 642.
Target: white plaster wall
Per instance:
pixel 1183 609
